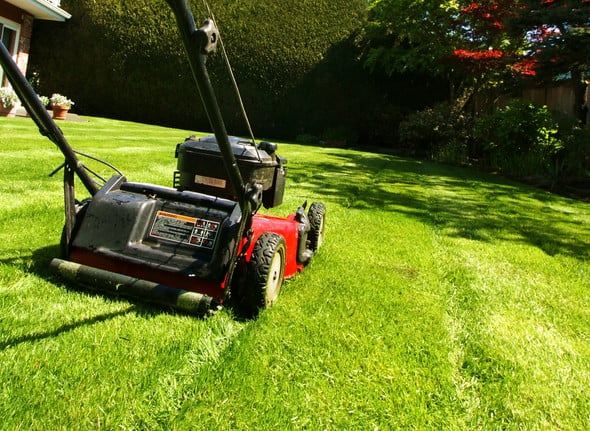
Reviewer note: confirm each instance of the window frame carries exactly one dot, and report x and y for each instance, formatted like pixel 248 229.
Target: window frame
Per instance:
pixel 16 27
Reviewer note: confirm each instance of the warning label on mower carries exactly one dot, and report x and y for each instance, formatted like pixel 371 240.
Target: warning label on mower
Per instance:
pixel 183 229
pixel 210 181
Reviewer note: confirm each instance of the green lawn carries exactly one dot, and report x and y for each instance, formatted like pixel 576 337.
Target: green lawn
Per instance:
pixel 442 298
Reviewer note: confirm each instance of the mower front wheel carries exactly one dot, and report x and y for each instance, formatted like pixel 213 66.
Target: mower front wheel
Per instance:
pixel 266 271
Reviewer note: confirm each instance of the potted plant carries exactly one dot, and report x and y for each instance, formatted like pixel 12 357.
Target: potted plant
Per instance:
pixel 8 101
pixel 60 105
pixel 44 100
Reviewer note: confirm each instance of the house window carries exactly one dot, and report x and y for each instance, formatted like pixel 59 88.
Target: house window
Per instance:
pixel 9 37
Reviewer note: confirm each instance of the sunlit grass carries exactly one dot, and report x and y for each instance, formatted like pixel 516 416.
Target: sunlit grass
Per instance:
pixel 441 299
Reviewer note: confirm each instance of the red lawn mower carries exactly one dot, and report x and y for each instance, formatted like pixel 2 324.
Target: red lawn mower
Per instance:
pixel 200 243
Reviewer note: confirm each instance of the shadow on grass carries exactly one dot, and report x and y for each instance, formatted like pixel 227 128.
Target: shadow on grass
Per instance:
pixel 457 201
pixel 38 264
pixel 11 342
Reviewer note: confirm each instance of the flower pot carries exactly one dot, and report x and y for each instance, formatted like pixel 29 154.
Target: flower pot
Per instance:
pixel 59 112
pixel 7 112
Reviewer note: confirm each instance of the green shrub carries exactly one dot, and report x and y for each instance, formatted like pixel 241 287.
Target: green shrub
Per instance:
pixel 573 160
pixel 439 133
pixel 520 139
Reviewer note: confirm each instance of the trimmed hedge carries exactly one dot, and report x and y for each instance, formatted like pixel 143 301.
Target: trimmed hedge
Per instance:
pixel 124 59
pixel 295 62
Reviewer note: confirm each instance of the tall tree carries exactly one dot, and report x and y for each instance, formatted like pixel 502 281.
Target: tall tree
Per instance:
pixel 555 34
pixel 463 41
pixel 482 43
pixel 409 35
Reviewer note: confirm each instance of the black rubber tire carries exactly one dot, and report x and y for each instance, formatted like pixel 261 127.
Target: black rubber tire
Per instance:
pixel 317 222
pixel 265 274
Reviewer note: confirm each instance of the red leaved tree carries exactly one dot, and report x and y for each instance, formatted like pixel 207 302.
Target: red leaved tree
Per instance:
pixel 543 40
pixel 555 38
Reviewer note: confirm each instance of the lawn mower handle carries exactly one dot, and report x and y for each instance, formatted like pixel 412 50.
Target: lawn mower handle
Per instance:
pixel 39 114
pixel 198 43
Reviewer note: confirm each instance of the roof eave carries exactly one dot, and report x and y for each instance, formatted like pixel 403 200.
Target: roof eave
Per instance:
pixel 42 9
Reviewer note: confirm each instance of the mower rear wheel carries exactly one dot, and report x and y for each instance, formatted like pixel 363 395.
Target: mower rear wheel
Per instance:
pixel 317 222
pixel 265 274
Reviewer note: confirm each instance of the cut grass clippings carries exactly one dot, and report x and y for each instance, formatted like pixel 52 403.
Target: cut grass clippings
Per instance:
pixel 442 298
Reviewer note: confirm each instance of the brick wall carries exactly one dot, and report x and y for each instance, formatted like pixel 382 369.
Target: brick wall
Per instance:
pixel 25 20
pixel 24 43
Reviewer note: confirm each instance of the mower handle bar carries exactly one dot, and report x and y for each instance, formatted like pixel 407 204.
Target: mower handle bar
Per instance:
pixel 198 43
pixel 41 117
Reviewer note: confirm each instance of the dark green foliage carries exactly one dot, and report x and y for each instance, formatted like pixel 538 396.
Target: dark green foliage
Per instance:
pixel 572 163
pixel 296 63
pixel 439 132
pixel 519 139
pixel 406 35
pixel 124 59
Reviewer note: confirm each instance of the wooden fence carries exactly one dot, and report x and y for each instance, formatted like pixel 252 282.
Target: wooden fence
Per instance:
pixel 560 98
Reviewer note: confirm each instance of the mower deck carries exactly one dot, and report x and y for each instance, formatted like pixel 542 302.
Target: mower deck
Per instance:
pixel 177 239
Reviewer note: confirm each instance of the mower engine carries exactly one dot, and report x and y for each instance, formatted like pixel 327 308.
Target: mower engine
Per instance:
pixel 200 165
